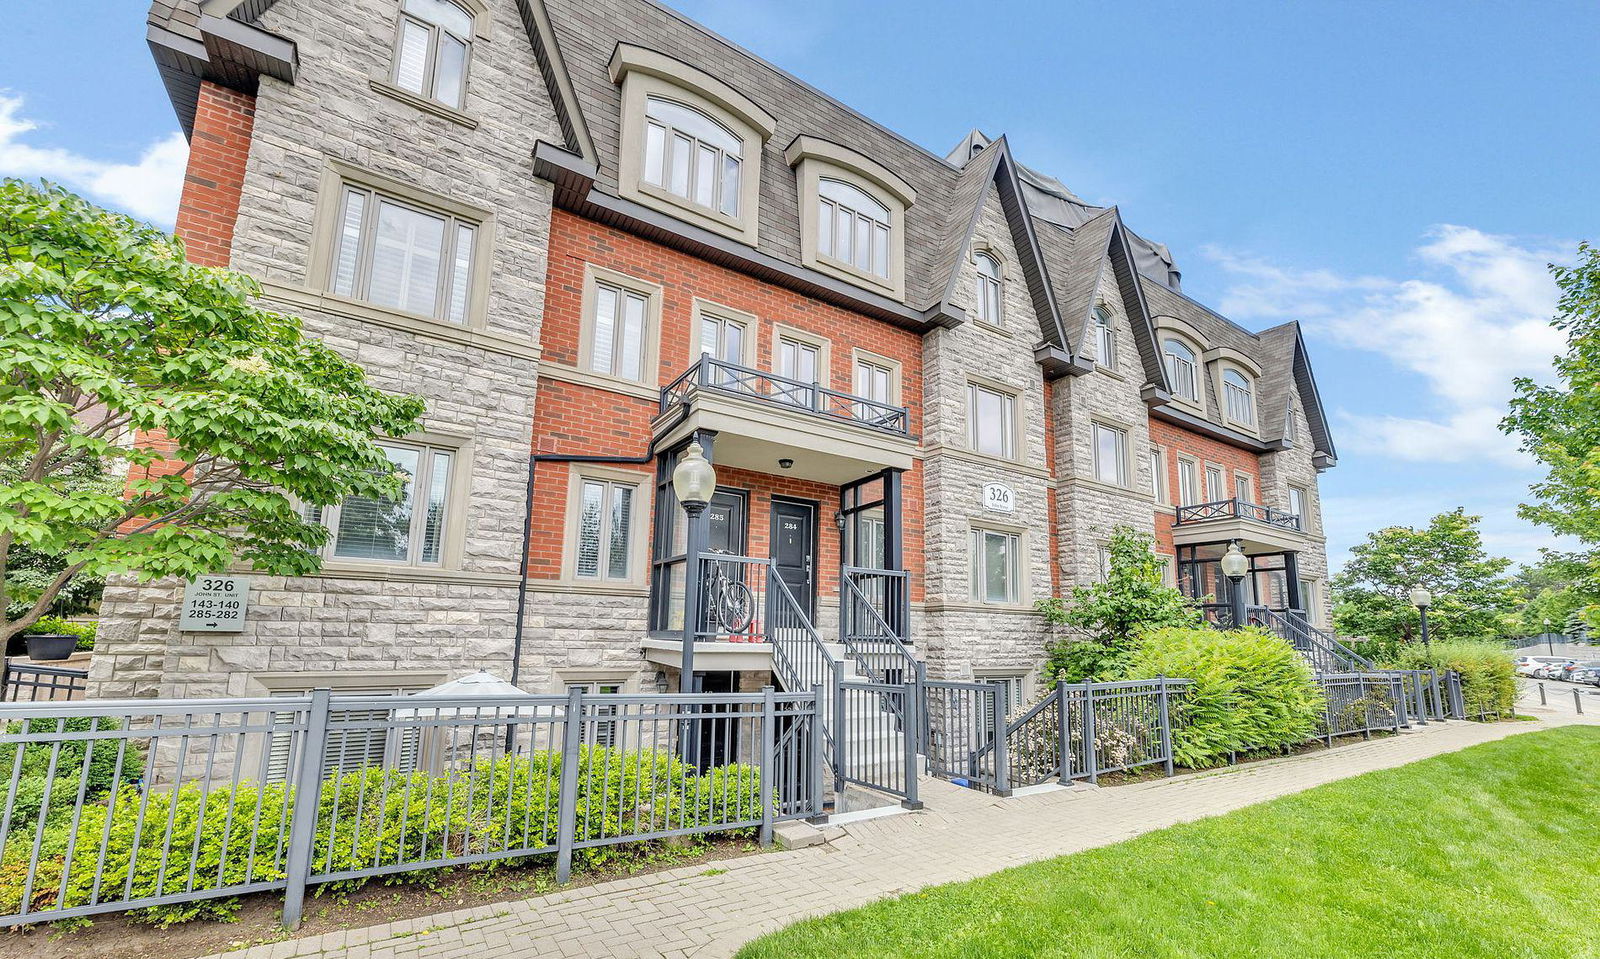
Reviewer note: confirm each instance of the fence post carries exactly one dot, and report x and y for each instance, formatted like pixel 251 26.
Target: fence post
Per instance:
pixel 910 713
pixel 1422 698
pixel 567 798
pixel 5 678
pixel 1397 684
pixel 1456 693
pixel 769 729
pixel 1088 733
pixel 814 756
pixel 1577 700
pixel 1327 712
pixel 1166 725
pixel 1542 700
pixel 1002 748
pixel 1366 706
pixel 838 733
pixel 307 780
pixel 1064 737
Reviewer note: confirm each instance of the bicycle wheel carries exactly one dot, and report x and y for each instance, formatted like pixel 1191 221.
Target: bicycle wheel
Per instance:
pixel 735 607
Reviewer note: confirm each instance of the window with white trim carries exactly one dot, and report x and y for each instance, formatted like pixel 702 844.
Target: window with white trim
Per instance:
pixel 995 562
pixel 1216 485
pixel 1244 488
pixel 1180 365
pixel 1239 398
pixel 399 255
pixel 1015 682
pixel 990 288
pixel 1110 449
pixel 852 227
pixel 406 530
pixel 1158 474
pixel 621 320
pixel 991 421
pixel 1188 482
pixel 692 156
pixel 1105 338
pixel 599 731
pixel 723 337
pixel 605 530
pixel 433 42
pixel 1298 498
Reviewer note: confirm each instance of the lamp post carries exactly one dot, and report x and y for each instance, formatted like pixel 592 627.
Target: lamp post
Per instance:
pixel 694 481
pixel 1549 639
pixel 1422 599
pixel 1234 566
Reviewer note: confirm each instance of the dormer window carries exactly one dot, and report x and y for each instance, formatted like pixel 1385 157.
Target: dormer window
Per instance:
pixel 690 143
pixel 1239 399
pixel 852 227
pixel 989 290
pixel 1181 369
pixel 692 156
pixel 432 46
pixel 1105 339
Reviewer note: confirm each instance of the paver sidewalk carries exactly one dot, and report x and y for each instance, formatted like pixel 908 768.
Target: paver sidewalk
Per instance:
pixel 961 834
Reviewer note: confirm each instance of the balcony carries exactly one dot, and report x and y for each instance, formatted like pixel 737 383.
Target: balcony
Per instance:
pixel 1256 527
pixel 767 422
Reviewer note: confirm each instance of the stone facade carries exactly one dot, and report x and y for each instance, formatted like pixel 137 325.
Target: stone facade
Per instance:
pixel 266 175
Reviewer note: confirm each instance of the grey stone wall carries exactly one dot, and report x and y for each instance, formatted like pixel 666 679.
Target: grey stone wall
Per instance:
pixel 1293 467
pixel 478 393
pixel 956 633
pixel 1088 510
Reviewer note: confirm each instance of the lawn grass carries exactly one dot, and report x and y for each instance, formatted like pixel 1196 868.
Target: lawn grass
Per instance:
pixel 1487 852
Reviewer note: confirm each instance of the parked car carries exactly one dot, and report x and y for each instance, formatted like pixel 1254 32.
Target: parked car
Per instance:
pixel 1588 674
pixel 1550 670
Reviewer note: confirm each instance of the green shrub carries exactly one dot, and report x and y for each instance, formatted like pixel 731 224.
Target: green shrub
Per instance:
pixel 55 626
pixel 370 817
pixel 68 771
pixel 1251 691
pixel 1488 683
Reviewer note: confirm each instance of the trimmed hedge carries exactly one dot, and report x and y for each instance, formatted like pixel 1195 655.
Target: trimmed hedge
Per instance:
pixel 1251 691
pixel 35 770
pixel 403 816
pixel 1488 682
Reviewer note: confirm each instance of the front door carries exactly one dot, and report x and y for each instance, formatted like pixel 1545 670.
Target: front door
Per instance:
pixel 794 541
pixel 725 516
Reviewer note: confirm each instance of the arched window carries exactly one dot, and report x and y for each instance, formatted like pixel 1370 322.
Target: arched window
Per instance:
pixel 1179 361
pixel 431 48
pixel 691 155
pixel 1105 339
pixel 1239 397
pixel 989 288
pixel 852 227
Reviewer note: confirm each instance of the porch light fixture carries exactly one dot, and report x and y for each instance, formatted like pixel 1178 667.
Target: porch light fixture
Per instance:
pixel 660 681
pixel 838 519
pixel 1422 599
pixel 694 479
pixel 785 463
pixel 1234 566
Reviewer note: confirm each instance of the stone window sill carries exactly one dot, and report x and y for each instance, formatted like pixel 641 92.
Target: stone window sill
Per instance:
pixel 423 103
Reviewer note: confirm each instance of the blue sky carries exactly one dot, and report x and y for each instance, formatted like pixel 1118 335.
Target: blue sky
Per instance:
pixel 1393 175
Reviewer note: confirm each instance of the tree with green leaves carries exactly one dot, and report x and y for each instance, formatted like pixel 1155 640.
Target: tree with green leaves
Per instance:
pixel 1557 592
pixel 1109 617
pixel 224 417
pixel 1472 597
pixel 1559 423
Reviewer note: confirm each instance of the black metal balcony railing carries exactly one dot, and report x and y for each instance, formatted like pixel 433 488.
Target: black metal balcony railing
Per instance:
pixel 721 376
pixel 1237 509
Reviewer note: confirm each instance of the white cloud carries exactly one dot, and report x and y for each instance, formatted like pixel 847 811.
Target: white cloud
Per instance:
pixel 1477 318
pixel 148 189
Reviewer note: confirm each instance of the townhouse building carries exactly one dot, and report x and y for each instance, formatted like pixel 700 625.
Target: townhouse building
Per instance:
pixel 599 239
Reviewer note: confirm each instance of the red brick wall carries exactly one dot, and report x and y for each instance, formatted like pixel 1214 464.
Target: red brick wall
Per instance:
pixel 579 419
pixel 218 151
pixel 1178 441
pixel 208 207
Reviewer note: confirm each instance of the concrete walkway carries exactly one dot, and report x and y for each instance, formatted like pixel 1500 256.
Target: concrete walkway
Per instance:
pixel 961 834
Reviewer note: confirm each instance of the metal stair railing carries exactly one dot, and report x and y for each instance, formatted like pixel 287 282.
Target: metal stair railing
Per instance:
pixel 801 661
pixel 1326 653
pixel 877 647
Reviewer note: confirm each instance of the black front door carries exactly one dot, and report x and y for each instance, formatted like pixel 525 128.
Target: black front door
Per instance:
pixel 725 514
pixel 794 542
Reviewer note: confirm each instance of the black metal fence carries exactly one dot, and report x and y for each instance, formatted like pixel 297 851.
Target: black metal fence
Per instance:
pixel 25 682
pixel 116 805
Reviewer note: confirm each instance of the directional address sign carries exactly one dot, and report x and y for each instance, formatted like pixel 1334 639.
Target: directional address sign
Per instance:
pixel 215 604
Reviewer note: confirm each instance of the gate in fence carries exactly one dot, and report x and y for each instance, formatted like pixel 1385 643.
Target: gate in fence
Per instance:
pixel 875 729
pixel 116 805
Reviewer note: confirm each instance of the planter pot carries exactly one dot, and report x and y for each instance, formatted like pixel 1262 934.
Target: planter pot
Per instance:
pixel 17 645
pixel 47 647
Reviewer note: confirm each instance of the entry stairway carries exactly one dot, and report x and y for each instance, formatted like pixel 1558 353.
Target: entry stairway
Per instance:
pixel 1320 647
